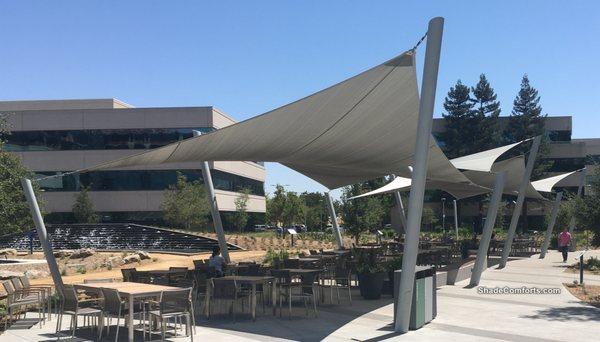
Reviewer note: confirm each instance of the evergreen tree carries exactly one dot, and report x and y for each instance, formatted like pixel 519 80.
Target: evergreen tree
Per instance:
pixel 487 113
pixel 83 208
pixel 527 121
pixel 14 211
pixel 461 122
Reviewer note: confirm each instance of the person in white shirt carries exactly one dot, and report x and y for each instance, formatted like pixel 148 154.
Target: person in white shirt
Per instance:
pixel 217 261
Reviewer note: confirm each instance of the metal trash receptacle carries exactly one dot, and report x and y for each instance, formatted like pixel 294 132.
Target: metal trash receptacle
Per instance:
pixel 424 301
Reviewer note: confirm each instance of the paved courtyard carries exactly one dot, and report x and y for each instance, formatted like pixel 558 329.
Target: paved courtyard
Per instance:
pixel 463 314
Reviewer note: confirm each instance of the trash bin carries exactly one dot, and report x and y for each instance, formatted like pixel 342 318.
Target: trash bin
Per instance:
pixel 424 302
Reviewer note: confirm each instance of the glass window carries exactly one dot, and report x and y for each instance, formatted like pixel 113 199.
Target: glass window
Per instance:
pixel 98 139
pixel 144 180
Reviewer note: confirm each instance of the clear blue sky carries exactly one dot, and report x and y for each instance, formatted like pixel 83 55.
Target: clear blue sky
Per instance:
pixel 247 57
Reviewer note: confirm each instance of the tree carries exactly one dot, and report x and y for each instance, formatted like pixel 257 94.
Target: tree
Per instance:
pixel 461 122
pixel 83 208
pixel 316 210
pixel 362 214
pixel 429 218
pixel 587 209
pixel 527 121
pixel 185 204
pixel 487 113
pixel 14 211
pixel 240 217
pixel 276 204
pixel 293 209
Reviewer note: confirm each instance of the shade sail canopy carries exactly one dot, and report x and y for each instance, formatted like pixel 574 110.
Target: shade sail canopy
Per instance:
pixel 546 184
pixel 515 169
pixel 482 161
pixel 458 190
pixel 360 129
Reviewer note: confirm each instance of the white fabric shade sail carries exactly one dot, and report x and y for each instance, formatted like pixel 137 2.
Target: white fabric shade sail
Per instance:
pixel 483 161
pixel 546 184
pixel 515 169
pixel 480 169
pixel 357 130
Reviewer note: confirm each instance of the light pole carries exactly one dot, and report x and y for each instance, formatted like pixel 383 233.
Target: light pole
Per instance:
pixel 444 215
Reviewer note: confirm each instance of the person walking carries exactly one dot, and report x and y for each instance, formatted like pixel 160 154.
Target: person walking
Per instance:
pixel 564 242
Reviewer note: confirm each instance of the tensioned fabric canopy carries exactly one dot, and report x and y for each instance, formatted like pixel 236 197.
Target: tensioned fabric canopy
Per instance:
pixel 483 161
pixel 480 166
pixel 360 129
pixel 515 169
pixel 546 184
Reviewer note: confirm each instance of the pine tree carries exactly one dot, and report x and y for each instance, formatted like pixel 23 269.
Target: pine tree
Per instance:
pixel 487 113
pixel 83 208
pixel 460 120
pixel 527 121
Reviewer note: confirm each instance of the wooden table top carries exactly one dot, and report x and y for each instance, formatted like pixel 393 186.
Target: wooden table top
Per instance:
pixel 301 270
pixel 248 279
pixel 129 288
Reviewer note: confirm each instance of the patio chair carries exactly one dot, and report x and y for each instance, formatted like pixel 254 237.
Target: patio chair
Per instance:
pixel 114 307
pixel 47 288
pixel 228 290
pixel 200 287
pixel 174 305
pixel 291 263
pixel 20 287
pixel 128 274
pixel 178 275
pixel 310 283
pixel 342 278
pixel 72 305
pixel 285 285
pixel 16 299
pixel 199 263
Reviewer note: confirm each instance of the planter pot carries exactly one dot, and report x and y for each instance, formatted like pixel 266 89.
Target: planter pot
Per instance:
pixel 371 284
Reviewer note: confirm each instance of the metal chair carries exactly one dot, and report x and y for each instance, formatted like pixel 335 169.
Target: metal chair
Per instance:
pixel 177 275
pixel 19 286
pixel 285 284
pixel 71 305
pixel 174 305
pixel 47 288
pixel 114 307
pixel 128 274
pixel 21 299
pixel 230 291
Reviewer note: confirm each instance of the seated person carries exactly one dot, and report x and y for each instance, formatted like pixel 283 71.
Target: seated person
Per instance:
pixel 217 261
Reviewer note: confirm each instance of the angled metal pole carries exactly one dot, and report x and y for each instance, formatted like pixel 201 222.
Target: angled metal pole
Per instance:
pixel 484 244
pixel 42 233
pixel 398 198
pixel 548 235
pixel 510 235
pixel 419 174
pixel 214 207
pixel 334 224
pixel 579 194
pixel 456 219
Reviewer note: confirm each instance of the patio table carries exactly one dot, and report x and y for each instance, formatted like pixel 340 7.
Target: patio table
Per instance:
pixel 130 291
pixel 247 280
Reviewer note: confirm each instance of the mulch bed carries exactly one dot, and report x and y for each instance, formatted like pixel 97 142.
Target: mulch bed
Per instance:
pixel 589 294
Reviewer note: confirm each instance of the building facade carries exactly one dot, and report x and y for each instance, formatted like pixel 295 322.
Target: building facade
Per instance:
pixel 567 155
pixel 58 136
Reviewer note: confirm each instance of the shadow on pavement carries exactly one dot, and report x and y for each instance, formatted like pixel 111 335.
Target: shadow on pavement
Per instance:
pixel 569 313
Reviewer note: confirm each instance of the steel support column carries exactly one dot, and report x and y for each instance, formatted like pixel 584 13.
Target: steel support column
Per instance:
pixel 334 224
pixel 484 244
pixel 419 174
pixel 510 235
pixel 553 216
pixel 456 219
pixel 214 207
pixel 579 194
pixel 40 227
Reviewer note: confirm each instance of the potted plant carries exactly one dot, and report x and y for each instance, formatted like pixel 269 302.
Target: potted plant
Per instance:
pixel 371 275
pixel 391 266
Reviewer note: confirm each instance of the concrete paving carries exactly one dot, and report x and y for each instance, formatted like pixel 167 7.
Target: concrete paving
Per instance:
pixel 463 314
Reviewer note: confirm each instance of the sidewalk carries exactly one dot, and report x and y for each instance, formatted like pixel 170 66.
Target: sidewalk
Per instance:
pixel 463 314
